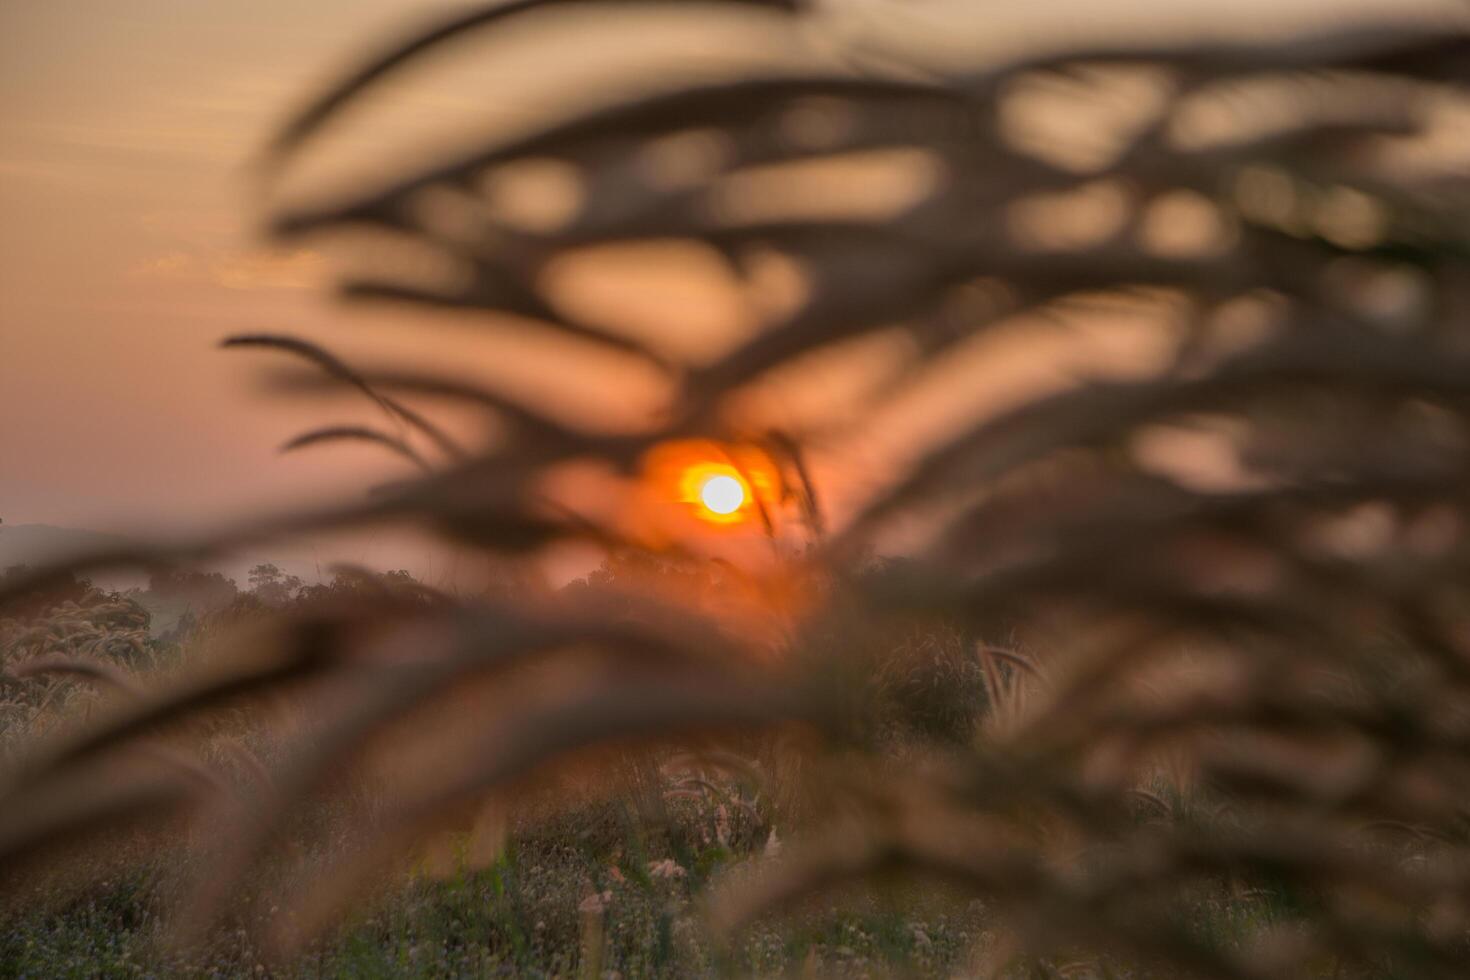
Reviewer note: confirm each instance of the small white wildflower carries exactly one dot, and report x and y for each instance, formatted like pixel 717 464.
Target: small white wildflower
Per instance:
pixel 667 868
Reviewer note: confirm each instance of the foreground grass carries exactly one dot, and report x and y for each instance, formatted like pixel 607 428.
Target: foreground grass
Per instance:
pixel 596 891
pixel 605 887
pixel 549 907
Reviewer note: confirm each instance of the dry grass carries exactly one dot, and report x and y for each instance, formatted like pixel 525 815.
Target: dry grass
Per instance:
pixel 1182 626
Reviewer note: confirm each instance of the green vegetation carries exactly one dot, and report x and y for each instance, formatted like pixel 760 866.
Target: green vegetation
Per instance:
pixel 524 915
pixel 570 884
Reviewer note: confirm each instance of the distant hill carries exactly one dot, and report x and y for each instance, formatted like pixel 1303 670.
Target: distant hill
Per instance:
pixel 38 544
pixel 35 544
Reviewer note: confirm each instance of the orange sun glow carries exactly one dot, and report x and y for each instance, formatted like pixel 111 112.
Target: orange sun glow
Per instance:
pixel 717 490
pixel 719 483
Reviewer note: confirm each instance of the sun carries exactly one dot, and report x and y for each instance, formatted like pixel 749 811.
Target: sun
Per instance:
pixel 720 485
pixel 722 494
pixel 717 491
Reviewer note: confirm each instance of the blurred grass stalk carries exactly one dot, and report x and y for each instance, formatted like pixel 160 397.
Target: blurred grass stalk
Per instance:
pixel 1165 331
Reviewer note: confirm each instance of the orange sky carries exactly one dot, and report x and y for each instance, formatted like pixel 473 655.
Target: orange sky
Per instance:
pixel 127 250
pixel 126 253
pixel 128 246
pixel 123 256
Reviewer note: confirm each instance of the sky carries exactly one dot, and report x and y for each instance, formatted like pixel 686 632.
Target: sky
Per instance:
pixel 129 243
pixel 130 246
pixel 128 249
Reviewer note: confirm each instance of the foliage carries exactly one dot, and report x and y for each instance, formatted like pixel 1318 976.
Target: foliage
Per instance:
pixel 74 619
pixel 35 602
pixel 202 590
pixel 272 586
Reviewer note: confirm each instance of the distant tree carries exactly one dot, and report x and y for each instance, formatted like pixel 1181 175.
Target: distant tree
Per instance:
pixel 72 617
pixel 203 590
pixel 272 586
pixel 69 588
pixel 361 584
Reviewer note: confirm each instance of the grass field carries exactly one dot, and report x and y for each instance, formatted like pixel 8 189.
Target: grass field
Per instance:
pixel 1055 561
pixel 608 876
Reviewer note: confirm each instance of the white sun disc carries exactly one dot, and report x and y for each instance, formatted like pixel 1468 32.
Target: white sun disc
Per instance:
pixel 722 494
